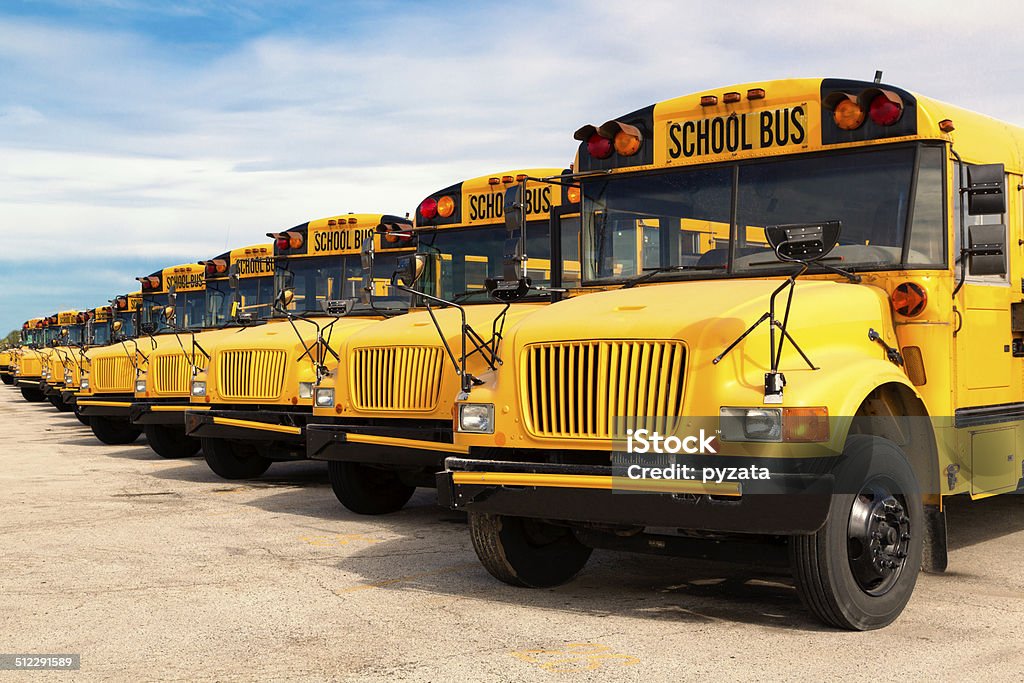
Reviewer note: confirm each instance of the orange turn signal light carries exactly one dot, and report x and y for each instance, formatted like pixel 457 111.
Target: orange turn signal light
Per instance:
pixel 755 94
pixel 946 126
pixel 909 299
pixel 507 179
pixel 494 181
pixel 848 114
pixel 573 194
pixel 445 207
pixel 805 424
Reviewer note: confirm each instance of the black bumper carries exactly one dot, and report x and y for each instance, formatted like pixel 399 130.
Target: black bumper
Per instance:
pixel 104 406
pixel 788 504
pixel 251 425
pixel 159 412
pixel 69 396
pixel 28 383
pixel 385 445
pixel 51 390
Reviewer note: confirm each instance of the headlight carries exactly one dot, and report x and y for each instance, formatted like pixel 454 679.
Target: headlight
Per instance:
pixel 751 424
pixel 198 387
pixel 305 390
pixel 140 386
pixel 68 378
pixel 325 397
pixel 476 417
pixel 85 384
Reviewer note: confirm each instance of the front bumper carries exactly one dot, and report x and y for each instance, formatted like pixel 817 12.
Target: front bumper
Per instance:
pixel 170 412
pixel 51 390
pixel 589 494
pixel 70 396
pixel 385 445
pixel 28 382
pixel 251 425
pixel 104 406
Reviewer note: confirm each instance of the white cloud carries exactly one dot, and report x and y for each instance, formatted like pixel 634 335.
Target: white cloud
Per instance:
pixel 115 133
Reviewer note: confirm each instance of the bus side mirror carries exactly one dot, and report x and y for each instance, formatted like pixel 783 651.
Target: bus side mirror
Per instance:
pixel 410 270
pixel 514 209
pixel 117 325
pixel 803 242
pixel 285 298
pixel 168 313
pixel 366 261
pixel 233 276
pixel 986 190
pixel 987 250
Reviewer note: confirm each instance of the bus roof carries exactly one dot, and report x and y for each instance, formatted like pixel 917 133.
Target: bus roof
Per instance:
pixel 770 118
pixel 254 260
pixel 481 200
pixel 187 277
pixel 333 236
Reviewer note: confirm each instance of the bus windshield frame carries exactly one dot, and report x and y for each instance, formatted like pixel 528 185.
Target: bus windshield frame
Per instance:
pixel 302 275
pixel 891 199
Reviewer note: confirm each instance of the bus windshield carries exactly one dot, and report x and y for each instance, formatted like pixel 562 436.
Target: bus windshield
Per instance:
pixel 100 334
pixel 685 221
pixel 188 311
pixel 318 280
pixel 74 335
pixel 217 302
pixel 464 258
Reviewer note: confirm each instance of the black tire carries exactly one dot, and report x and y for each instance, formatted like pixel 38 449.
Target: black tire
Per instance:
pixel 58 403
pixel 526 552
pixel 7 379
pixel 368 490
pixel 32 395
pixel 81 418
pixel 233 459
pixel 169 441
pixel 114 432
pixel 836 577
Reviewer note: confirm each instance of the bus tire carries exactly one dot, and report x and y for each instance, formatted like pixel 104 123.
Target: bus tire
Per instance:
pixel 7 379
pixel 526 552
pixel 233 460
pixel 368 490
pixel 114 432
pixel 81 418
pixel 32 395
pixel 836 577
pixel 169 441
pixel 58 403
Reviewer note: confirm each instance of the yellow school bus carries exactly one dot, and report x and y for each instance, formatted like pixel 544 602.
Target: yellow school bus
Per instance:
pixel 29 370
pixel 62 359
pixel 25 339
pixel 383 421
pixel 96 332
pixel 170 303
pixel 237 290
pixel 256 393
pixel 849 357
pixel 7 355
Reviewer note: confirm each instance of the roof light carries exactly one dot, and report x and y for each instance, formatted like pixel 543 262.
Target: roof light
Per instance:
pixel 886 108
pixel 755 94
pixel 494 181
pixel 331 222
pixel 428 208
pixel 295 240
pixel 282 243
pixel 521 177
pixel 946 126
pixel 848 114
pixel 353 220
pixel 507 179
pixel 708 100
pixel 445 206
pixel 731 97
pixel 599 147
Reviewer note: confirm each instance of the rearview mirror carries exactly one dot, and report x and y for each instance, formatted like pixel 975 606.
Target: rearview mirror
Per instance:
pixel 410 270
pixel 169 313
pixel 987 250
pixel 285 298
pixel 117 325
pixel 803 242
pixel 514 209
pixel 233 276
pixel 986 190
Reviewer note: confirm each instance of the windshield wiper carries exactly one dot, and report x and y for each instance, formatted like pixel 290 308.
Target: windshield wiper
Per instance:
pixel 651 272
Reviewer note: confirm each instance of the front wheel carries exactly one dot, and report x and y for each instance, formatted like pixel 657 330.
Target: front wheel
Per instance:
pixel 81 418
pixel 526 552
pixel 169 441
pixel 858 571
pixel 368 490
pixel 7 379
pixel 114 432
pixel 32 395
pixel 233 460
pixel 57 402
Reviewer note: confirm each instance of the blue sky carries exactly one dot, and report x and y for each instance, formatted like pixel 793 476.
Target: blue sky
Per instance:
pixel 135 135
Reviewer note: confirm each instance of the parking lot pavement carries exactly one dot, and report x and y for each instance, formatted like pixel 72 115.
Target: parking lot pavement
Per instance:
pixel 153 568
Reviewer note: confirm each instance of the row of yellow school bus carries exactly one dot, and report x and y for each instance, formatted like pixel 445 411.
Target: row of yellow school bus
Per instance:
pixel 780 318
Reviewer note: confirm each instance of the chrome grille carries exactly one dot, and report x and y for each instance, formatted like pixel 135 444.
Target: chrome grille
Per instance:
pixel 251 374
pixel 396 378
pixel 113 375
pixel 578 389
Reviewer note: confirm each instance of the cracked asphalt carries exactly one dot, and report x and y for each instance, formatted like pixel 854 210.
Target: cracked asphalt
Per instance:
pixel 156 569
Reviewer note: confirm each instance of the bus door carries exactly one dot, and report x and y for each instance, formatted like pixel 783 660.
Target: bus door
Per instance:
pixel 989 376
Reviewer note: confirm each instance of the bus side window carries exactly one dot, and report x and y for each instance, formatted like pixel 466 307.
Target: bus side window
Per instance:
pixel 995 219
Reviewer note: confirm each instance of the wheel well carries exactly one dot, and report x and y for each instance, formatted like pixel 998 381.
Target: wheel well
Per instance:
pixel 894 412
